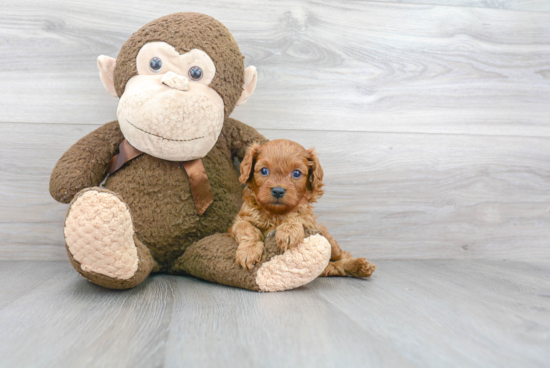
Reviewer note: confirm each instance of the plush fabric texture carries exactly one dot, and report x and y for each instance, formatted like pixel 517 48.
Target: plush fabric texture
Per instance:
pixel 295 267
pixel 157 191
pixel 83 165
pixel 160 199
pixel 100 235
pixel 250 80
pixel 146 265
pixel 187 31
pixel 106 66
pixel 145 216
pixel 173 61
pixel 150 122
pixel 175 81
pixel 213 259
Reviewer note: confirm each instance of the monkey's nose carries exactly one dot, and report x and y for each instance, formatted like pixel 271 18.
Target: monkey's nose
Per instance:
pixel 278 192
pixel 175 81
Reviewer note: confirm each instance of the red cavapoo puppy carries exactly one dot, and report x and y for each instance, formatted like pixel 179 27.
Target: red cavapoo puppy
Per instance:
pixel 282 180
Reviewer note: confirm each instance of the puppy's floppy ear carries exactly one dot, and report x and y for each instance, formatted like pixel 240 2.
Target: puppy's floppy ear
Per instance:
pixel 315 175
pixel 247 165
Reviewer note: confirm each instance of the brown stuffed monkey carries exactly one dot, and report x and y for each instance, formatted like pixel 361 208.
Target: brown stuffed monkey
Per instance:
pixel 171 189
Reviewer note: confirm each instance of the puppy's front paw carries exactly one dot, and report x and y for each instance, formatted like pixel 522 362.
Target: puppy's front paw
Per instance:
pixel 289 236
pixel 249 254
pixel 360 267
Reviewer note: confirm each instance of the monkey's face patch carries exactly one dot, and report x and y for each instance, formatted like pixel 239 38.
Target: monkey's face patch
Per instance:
pixel 169 110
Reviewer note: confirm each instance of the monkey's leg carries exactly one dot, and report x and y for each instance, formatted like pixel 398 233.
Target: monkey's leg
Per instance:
pixel 100 240
pixel 213 259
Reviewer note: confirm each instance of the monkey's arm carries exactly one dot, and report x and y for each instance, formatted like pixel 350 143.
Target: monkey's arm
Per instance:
pixel 83 165
pixel 240 136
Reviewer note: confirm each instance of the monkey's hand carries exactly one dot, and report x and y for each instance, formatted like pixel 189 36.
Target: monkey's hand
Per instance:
pixel 249 253
pixel 289 235
pixel 240 136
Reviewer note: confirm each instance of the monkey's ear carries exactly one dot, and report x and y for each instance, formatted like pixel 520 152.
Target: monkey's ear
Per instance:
pixel 247 165
pixel 106 66
pixel 250 79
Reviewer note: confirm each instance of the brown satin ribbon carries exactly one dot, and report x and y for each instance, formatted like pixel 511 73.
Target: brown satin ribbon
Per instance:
pixel 198 180
pixel 127 152
pixel 200 186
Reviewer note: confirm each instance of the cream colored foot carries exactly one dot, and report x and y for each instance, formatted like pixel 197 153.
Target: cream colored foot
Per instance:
pixel 295 267
pixel 99 234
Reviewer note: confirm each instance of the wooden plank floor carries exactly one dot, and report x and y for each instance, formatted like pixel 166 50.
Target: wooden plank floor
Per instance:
pixel 409 314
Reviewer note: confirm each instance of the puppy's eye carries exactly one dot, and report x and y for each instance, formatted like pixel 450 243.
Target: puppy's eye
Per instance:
pixel 264 171
pixel 296 174
pixel 155 64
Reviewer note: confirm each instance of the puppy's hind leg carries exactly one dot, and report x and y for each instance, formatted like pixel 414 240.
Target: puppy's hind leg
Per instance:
pixel 336 253
pixel 356 267
pixel 335 250
pixel 342 263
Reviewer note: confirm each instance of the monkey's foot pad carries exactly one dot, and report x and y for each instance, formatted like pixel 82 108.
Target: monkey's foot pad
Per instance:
pixel 295 267
pixel 99 234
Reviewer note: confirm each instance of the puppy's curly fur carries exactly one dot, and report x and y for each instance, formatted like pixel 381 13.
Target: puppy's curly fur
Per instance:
pixel 283 180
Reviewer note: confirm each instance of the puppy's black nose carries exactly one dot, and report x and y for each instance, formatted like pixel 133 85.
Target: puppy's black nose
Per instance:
pixel 278 192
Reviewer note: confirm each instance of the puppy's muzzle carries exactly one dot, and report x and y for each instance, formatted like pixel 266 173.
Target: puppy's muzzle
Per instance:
pixel 278 192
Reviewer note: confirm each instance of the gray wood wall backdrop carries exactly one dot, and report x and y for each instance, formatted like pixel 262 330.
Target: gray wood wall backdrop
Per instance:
pixel 432 117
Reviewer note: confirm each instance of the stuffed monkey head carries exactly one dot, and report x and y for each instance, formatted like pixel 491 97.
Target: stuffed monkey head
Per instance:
pixel 178 77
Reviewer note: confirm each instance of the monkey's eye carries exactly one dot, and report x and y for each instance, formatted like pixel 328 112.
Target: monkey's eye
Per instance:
pixel 155 64
pixel 195 73
pixel 264 171
pixel 296 174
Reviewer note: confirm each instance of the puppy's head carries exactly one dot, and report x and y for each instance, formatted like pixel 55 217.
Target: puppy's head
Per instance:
pixel 283 175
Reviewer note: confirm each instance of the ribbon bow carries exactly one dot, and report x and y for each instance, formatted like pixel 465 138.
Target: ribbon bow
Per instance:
pixel 198 180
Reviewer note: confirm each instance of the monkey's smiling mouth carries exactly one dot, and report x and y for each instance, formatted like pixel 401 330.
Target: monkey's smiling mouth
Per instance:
pixel 159 136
